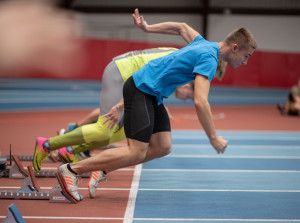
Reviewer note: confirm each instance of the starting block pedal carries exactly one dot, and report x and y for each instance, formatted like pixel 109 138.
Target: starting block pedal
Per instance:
pixel 17 170
pixel 14 215
pixel 59 190
pixel 57 195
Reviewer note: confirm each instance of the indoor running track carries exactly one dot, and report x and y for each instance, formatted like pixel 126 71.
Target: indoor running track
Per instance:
pixel 256 180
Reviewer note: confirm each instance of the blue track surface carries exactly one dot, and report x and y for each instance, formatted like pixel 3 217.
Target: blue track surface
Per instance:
pixel 256 180
pixel 27 94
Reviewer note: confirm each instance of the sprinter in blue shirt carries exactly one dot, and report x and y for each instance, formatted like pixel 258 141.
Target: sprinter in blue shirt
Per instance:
pixel 146 122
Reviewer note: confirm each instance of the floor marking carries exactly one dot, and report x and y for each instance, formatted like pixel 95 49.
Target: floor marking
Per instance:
pixel 128 217
pixel 223 190
pixel 273 138
pixel 232 171
pixel 185 146
pixel 55 168
pixel 178 189
pixel 161 219
pixel 217 219
pixel 221 156
pixel 80 188
pixel 68 218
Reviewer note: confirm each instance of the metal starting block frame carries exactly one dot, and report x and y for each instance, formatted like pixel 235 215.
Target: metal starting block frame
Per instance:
pixel 30 190
pixel 17 171
pixel 52 158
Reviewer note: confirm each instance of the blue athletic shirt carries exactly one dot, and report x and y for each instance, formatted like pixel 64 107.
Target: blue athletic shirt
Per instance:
pixel 161 76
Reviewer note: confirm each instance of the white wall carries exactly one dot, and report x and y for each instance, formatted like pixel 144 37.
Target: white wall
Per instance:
pixel 273 33
pixel 120 26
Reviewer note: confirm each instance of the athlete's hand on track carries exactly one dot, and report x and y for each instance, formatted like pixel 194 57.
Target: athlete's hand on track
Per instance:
pixel 112 117
pixel 219 144
pixel 139 20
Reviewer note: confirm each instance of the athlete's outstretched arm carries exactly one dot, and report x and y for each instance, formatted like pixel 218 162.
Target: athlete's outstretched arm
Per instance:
pixel 204 114
pixel 175 28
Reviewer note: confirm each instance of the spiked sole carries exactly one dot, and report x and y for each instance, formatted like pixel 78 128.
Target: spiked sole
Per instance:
pixel 34 162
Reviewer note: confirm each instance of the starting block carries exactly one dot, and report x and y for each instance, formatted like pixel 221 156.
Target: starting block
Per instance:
pixel 52 158
pixel 30 190
pixel 18 171
pixel 57 195
pixel 14 215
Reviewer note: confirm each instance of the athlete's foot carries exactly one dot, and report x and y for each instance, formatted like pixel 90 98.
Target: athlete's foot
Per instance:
pixel 41 153
pixel 68 181
pixel 95 178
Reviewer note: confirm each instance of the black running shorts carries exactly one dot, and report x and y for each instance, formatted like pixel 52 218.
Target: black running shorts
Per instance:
pixel 142 115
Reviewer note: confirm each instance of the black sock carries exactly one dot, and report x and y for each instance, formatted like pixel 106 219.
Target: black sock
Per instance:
pixel 70 169
pixel 87 153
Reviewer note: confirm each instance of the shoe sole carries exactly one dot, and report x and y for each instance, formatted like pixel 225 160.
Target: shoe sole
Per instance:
pixel 62 159
pixel 89 185
pixel 36 167
pixel 63 186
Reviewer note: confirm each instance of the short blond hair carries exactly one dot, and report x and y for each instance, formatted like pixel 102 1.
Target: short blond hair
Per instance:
pixel 243 37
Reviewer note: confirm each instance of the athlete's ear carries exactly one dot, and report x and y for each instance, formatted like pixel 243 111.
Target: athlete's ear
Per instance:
pixel 234 47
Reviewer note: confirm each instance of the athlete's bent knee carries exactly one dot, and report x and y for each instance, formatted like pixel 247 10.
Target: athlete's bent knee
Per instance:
pixel 161 152
pixel 165 151
pixel 138 156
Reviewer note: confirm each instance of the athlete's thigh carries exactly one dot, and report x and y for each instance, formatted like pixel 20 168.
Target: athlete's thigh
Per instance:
pixel 112 85
pixel 138 113
pixel 160 143
pixel 161 119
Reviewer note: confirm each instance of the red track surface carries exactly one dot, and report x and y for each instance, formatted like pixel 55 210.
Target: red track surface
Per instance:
pixel 20 129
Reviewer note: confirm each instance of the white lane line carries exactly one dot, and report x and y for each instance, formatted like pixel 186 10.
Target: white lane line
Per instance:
pixel 187 146
pixel 245 137
pixel 80 188
pixel 215 170
pixel 230 171
pixel 131 202
pixel 161 219
pixel 128 217
pixel 67 218
pixel 55 168
pixel 221 190
pixel 220 156
pixel 216 219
